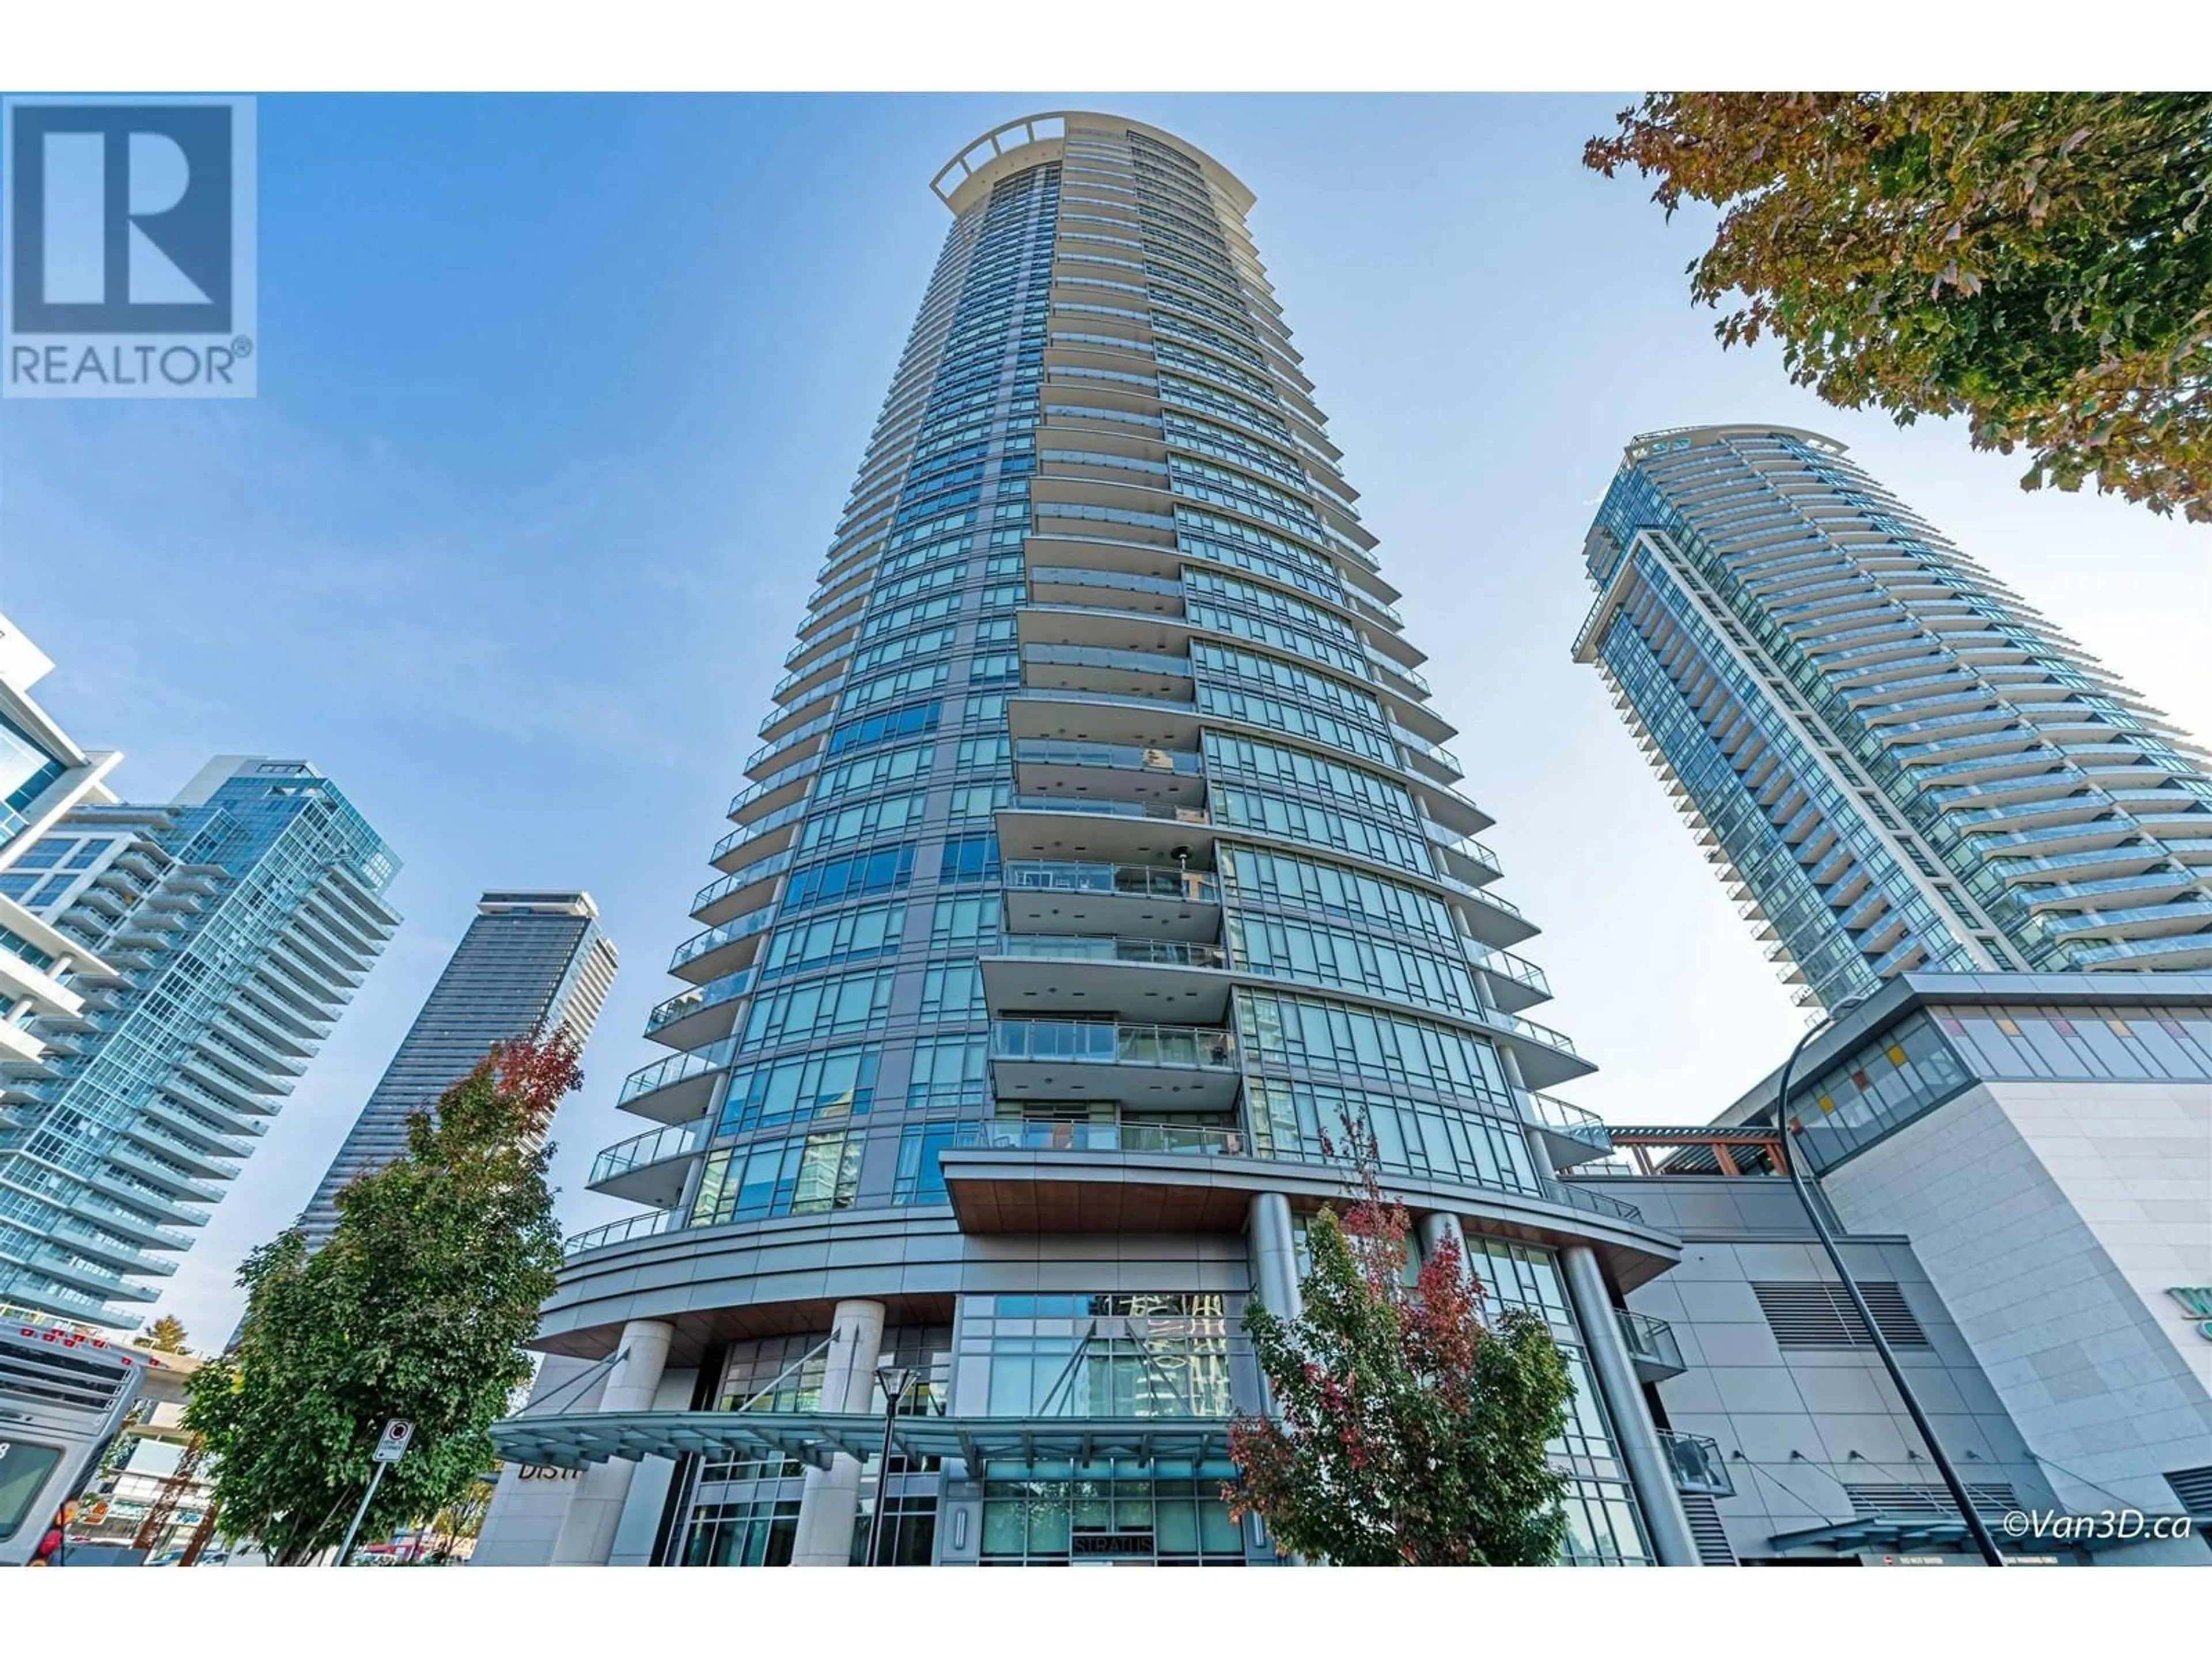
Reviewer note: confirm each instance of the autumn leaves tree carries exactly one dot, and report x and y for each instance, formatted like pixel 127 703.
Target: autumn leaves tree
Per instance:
pixel 416 1308
pixel 1410 1425
pixel 2038 263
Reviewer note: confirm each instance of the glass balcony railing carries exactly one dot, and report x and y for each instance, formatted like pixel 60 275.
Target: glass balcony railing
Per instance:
pixel 798 734
pixel 620 1232
pixel 677 1140
pixel 1091 947
pixel 1060 575
pixel 1519 969
pixel 1102 1042
pixel 1572 1121
pixel 1134 880
pixel 1581 1198
pixel 1651 1344
pixel 725 989
pixel 729 933
pixel 1046 752
pixel 1107 656
pixel 1697 1462
pixel 758 870
pixel 1535 1033
pixel 746 832
pixel 1413 677
pixel 1436 752
pixel 675 1069
pixel 796 772
pixel 1047 1135
pixel 1118 809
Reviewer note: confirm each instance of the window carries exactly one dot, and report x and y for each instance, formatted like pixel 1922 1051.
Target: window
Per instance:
pixel 853 875
pixel 826 1007
pixel 953 991
pixel 1169 1513
pixel 969 859
pixel 1123 1355
pixel 836 1083
pixel 800 1177
pixel 920 1180
pixel 755 1535
pixel 853 935
pixel 970 923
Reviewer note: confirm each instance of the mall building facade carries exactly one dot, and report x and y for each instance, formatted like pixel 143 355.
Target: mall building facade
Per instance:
pixel 1102 854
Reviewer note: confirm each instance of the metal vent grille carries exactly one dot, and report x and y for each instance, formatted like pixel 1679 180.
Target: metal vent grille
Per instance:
pixel 1820 1316
pixel 1706 1530
pixel 1898 1498
pixel 2193 1487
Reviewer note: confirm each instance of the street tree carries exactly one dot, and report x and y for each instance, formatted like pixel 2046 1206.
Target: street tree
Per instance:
pixel 1409 1427
pixel 2038 263
pixel 416 1308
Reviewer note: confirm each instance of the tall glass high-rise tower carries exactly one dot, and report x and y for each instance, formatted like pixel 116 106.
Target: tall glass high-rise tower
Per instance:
pixel 1898 764
pixel 42 776
pixel 232 926
pixel 529 961
pixel 1100 858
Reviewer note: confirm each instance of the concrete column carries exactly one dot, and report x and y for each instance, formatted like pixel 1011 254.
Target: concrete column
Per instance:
pixel 1437 1226
pixel 831 1500
pixel 587 1533
pixel 1649 1472
pixel 1274 1251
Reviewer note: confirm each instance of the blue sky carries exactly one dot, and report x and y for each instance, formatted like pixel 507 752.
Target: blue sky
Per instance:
pixel 560 398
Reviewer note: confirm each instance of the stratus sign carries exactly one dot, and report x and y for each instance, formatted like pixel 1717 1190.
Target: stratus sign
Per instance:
pixel 127 244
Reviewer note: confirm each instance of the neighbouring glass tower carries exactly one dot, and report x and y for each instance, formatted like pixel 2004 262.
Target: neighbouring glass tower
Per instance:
pixel 530 963
pixel 42 776
pixel 234 924
pixel 1897 763
pixel 1100 857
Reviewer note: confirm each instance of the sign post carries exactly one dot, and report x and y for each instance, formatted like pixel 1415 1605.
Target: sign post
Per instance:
pixel 390 1447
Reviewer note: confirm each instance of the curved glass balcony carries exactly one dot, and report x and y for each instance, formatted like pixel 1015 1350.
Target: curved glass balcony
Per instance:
pixel 1698 1465
pixel 1136 880
pixel 639 1168
pixel 678 1087
pixel 1575 1136
pixel 1047 751
pixel 1093 947
pixel 736 930
pixel 759 870
pixel 728 988
pixel 1106 1043
pixel 1124 809
pixel 1045 1134
pixel 618 1232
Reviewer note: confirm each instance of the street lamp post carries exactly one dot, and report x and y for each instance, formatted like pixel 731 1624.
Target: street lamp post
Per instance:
pixel 894 1380
pixel 1975 1527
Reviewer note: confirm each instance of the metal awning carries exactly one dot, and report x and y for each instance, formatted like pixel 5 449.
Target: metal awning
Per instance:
pixel 572 1441
pixel 1878 1532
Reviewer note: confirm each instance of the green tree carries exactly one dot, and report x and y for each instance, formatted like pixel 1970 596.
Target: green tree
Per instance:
pixel 165 1335
pixel 2040 263
pixel 461 1519
pixel 415 1308
pixel 1411 1431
